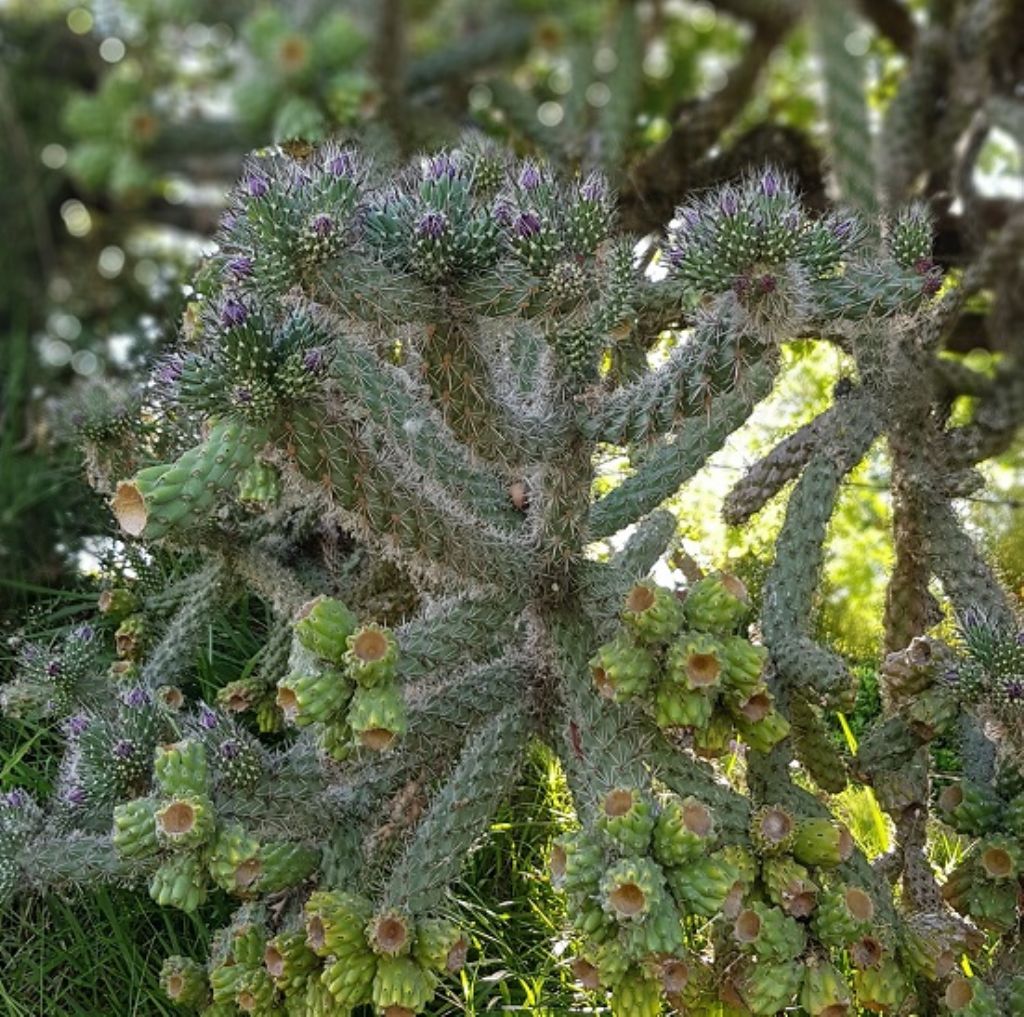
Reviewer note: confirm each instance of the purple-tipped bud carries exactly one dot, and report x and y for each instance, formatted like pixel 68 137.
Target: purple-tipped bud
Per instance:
pixel 322 225
pixel 767 283
pixel 729 202
pixel 341 164
pixel 433 225
pixel 314 361
pixel 230 748
pixel 932 283
pixel 594 188
pixel 1019 638
pixel 527 224
pixel 529 177
pixel 240 267
pixel 83 633
pixel 842 229
pixel 1014 690
pixel 256 185
pixel 123 748
pixel 15 799
pixel 170 370
pixel 76 725
pixel 503 213
pixel 207 717
pixel 770 184
pixel 923 266
pixel 243 395
pixel 54 669
pixel 233 313
pixel 674 256
pixel 136 697
pixel 442 167
pixel 74 795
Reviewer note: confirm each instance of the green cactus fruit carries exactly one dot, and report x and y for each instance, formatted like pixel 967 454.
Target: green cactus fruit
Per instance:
pixel 180 495
pixel 247 937
pixel 185 822
pixel 269 719
pixel 660 933
pixel 788 884
pixel 283 864
pixel 970 808
pixel 390 933
pixel 764 988
pixel 130 638
pixel 440 945
pixel 117 603
pixel 844 914
pixel 772 830
pixel 881 989
pixel 335 739
pixel 627 816
pixel 715 738
pixel 350 979
pixel 932 712
pixel 135 829
pixel 289 960
pixel 703 886
pixel 181 768
pixel 931 943
pixel 254 992
pixel 683 831
pixel 402 987
pixel 764 930
pixel 623 670
pixel 1009 782
pixel 760 725
pixel 993 905
pixel 631 888
pixel 695 662
pixel 611 961
pixel 323 626
pixel 590 919
pixel 822 842
pixel 318 696
pixel 677 707
pixel 999 859
pixel 180 882
pixel 716 603
pixel 746 864
pixel 335 921
pixel 1013 817
pixel 259 485
pixel 315 1001
pixel 824 992
pixel 970 997
pixel 577 862
pixel 234 860
pixel 743 666
pixel 652 613
pixel 224 979
pixel 184 982
pixel 636 995
pixel 378 716
pixel 372 655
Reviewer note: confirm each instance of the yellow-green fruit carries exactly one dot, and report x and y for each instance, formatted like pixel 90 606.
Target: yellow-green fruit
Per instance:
pixel 970 808
pixel 135 829
pixel 185 822
pixel 652 613
pixel 766 988
pixel 627 816
pixel 590 919
pixel 675 706
pixel 931 943
pixel 822 842
pixel 289 960
pixel 372 655
pixel 234 860
pixel 335 739
pixel 844 913
pixel 283 864
pixel 764 732
pixel 350 980
pixel 315 1001
pixel 994 906
pixel 390 933
pixel 378 716
pixel 184 982
pixel 970 997
pixel 335 921
pixel 180 882
pixel 636 995
pixel 999 859
pixel 181 768
pixel 661 932
pixel 440 945
pixel 772 830
pixel 695 662
pixel 259 485
pixel 254 992
pixel 623 670
pixel 716 603
pixel 224 979
pixel 715 738
pixel 314 697
pixel 765 931
pixel 323 626
pixel 683 831
pixel 824 992
pixel 743 666
pixel 788 884
pixel 577 862
pixel 269 718
pixel 130 638
pixel 248 938
pixel 117 603
pixel 612 961
pixel 702 886
pixel 881 989
pixel 632 888
pixel 401 982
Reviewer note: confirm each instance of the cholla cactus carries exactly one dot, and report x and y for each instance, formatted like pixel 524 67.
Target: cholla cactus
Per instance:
pixel 423 357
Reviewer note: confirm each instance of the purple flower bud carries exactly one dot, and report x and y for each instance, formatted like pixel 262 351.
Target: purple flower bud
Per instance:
pixel 322 225
pixel 729 202
pixel 442 167
pixel 842 229
pixel 923 266
pixel 433 225
pixel 135 697
pixel 529 176
pixel 932 283
pixel 594 188
pixel 74 795
pixel 1014 689
pixel 169 372
pixel 233 313
pixel 689 217
pixel 767 283
pixel 502 213
pixel 314 361
pixel 15 799
pixel 123 748
pixel 243 395
pixel 75 725
pixel 527 224
pixel 53 669
pixel 83 633
pixel 770 184
pixel 1019 638
pixel 228 221
pixel 256 185
pixel 207 718
pixel 674 256
pixel 230 748
pixel 240 267
pixel 341 164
